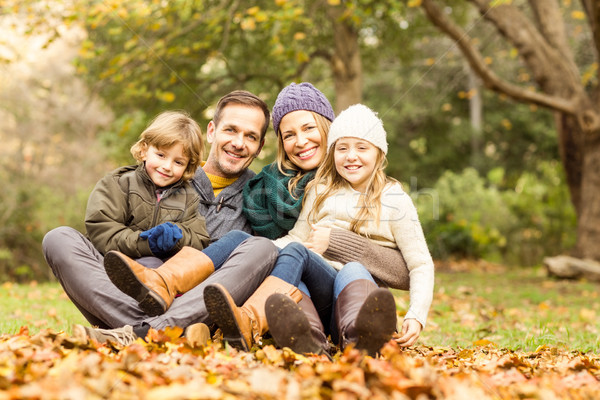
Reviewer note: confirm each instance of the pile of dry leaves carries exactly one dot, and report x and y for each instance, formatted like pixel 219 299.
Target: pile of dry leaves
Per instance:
pixel 52 365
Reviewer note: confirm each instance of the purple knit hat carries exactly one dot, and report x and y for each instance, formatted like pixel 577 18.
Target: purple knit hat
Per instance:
pixel 302 96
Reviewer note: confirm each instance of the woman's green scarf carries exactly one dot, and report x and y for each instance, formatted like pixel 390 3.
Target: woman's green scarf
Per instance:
pixel 268 205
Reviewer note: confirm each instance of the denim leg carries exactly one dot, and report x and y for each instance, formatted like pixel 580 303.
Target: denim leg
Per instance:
pixel 291 263
pixel 304 289
pixel 297 264
pixel 220 250
pixel 352 271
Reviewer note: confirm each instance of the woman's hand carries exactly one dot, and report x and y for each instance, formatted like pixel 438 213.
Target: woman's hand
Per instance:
pixel 318 241
pixel 411 328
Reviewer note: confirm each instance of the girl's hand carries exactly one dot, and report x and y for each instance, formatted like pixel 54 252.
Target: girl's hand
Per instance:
pixel 318 241
pixel 411 328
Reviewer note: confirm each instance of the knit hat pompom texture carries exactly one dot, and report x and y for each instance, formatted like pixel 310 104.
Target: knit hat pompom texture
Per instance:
pixel 361 122
pixel 302 96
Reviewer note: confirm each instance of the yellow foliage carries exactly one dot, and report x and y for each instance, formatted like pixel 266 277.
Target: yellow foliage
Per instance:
pixel 334 2
pixel 253 10
pixel 167 97
pixel 248 24
pixel 589 73
pixel 414 3
pixel 580 15
pixel 506 124
pixel 299 36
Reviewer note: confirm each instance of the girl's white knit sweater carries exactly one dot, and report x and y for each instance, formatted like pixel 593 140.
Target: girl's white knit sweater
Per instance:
pixel 398 227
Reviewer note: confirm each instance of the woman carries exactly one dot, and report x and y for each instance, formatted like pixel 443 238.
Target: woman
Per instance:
pixel 302 116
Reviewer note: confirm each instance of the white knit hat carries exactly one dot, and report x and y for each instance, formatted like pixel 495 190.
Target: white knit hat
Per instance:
pixel 358 121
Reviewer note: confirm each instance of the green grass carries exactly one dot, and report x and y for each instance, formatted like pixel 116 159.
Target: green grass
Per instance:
pixel 513 308
pixel 36 306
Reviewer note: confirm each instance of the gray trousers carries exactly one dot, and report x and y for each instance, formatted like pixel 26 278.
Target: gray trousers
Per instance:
pixel 79 268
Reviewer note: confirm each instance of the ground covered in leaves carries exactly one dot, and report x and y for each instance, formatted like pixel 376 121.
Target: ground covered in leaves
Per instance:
pixel 50 365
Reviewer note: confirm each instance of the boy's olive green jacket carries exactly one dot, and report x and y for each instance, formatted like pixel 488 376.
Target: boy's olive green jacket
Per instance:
pixel 124 204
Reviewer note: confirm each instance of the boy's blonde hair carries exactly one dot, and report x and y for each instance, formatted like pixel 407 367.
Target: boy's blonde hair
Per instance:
pixel 283 161
pixel 369 203
pixel 168 129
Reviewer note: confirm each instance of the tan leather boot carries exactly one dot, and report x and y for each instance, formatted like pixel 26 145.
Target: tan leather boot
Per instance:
pixel 197 334
pixel 241 326
pixel 155 289
pixel 297 326
pixel 365 316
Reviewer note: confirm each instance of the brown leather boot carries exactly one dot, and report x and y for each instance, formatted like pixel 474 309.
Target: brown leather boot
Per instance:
pixel 241 326
pixel 296 326
pixel 365 316
pixel 155 289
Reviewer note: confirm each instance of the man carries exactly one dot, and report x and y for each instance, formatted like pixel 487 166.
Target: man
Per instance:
pixel 236 134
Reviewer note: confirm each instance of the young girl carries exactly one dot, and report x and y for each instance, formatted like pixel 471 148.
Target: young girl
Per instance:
pixel 351 192
pixel 151 210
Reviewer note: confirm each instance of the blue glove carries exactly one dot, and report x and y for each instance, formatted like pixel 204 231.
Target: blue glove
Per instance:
pixel 162 238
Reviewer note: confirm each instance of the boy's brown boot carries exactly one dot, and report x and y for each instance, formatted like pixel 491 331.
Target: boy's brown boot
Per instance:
pixel 155 289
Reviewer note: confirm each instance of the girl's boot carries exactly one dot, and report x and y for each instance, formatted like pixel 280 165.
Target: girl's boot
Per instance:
pixel 241 326
pixel 365 316
pixel 155 289
pixel 296 326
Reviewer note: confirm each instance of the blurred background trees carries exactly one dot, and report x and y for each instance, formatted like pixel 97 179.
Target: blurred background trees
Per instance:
pixel 81 79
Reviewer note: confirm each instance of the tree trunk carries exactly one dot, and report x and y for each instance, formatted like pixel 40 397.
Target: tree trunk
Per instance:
pixel 476 115
pixel 543 47
pixel 588 224
pixel 345 62
pixel 570 147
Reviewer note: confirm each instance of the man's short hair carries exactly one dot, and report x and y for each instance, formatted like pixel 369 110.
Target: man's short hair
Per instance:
pixel 245 98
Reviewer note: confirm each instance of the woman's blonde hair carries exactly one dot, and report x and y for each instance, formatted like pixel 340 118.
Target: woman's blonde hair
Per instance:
pixel 370 201
pixel 168 129
pixel 285 164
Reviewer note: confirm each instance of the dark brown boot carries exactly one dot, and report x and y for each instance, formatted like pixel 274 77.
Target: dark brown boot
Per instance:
pixel 241 326
pixel 296 326
pixel 365 316
pixel 155 289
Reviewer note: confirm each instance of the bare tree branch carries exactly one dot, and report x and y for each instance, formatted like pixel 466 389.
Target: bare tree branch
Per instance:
pixel 535 50
pixel 489 78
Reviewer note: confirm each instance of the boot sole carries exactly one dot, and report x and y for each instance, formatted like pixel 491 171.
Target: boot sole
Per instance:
pixel 376 321
pixel 289 326
pixel 221 313
pixel 123 278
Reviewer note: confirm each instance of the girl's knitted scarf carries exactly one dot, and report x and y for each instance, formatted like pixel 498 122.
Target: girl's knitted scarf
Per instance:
pixel 268 205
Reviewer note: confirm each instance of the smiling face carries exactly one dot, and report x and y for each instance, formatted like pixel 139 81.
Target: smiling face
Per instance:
pixel 235 141
pixel 165 166
pixel 302 139
pixel 355 160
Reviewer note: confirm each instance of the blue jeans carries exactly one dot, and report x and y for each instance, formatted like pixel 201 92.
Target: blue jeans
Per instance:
pixel 353 271
pixel 296 264
pixel 220 250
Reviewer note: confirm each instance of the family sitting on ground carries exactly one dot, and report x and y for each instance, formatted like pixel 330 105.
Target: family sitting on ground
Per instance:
pixel 305 250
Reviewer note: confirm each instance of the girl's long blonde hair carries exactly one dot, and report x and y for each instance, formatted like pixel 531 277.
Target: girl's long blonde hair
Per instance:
pixel 285 165
pixel 370 201
pixel 168 129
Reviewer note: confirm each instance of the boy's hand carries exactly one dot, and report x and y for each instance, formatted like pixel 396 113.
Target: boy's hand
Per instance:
pixel 318 241
pixel 162 238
